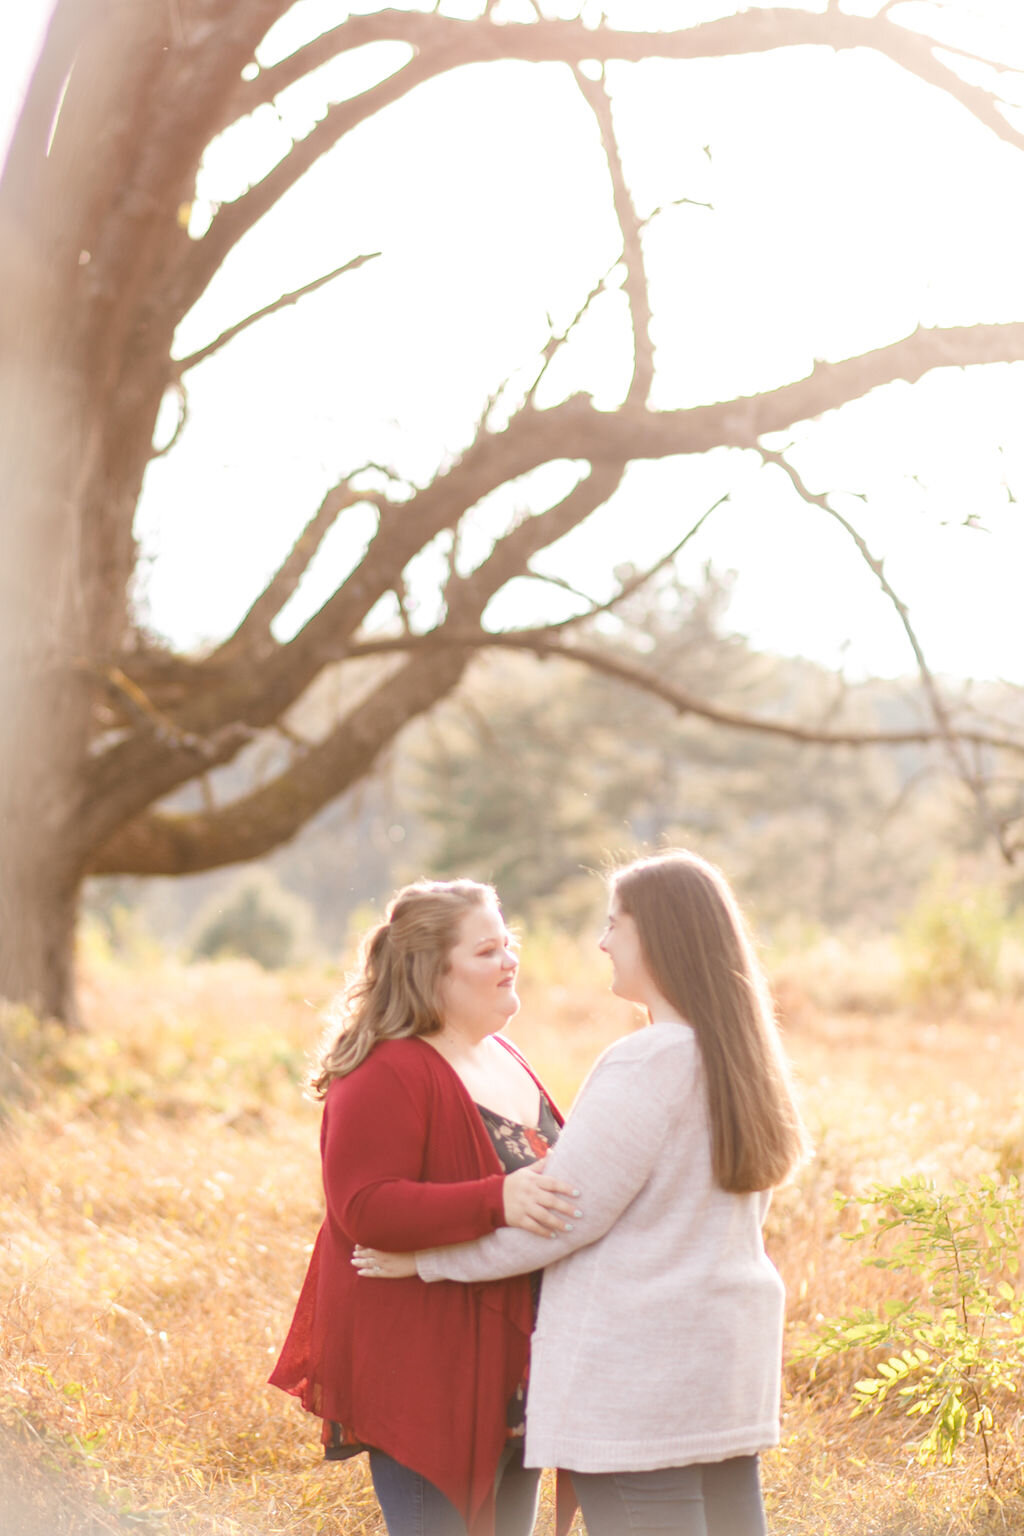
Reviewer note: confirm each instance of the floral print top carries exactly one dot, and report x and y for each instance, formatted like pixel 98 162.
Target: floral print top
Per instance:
pixel 516 1146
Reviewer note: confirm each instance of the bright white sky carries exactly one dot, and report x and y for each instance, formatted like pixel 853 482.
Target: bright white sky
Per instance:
pixel 850 204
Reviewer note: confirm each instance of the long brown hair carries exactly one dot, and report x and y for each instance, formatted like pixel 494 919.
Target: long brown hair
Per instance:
pixel 396 991
pixel 699 955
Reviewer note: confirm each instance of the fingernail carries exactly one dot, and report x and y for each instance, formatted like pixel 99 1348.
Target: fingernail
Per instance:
pixel 577 1213
pixel 576 1194
pixel 568 1226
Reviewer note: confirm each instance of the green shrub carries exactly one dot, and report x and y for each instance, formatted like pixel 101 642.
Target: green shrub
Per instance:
pixel 257 919
pixel 951 1360
pixel 951 942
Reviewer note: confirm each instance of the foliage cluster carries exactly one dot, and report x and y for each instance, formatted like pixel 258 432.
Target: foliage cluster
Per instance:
pixel 952 1356
pixel 959 939
pixel 258 919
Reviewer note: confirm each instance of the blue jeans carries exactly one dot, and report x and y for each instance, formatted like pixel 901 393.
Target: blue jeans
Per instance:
pixel 413 1507
pixel 715 1498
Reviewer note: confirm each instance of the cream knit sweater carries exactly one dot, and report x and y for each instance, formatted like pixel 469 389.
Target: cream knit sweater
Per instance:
pixel 659 1337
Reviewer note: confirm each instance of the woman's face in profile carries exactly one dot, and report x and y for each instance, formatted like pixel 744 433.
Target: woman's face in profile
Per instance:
pixel 478 991
pixel 621 943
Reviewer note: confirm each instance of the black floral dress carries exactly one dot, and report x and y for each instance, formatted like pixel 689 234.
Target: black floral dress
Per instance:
pixel 516 1146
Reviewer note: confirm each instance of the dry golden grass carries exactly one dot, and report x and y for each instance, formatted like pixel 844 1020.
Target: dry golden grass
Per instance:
pixel 160 1193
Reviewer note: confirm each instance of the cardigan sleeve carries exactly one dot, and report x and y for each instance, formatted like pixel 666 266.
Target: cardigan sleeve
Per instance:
pixel 609 1146
pixel 373 1144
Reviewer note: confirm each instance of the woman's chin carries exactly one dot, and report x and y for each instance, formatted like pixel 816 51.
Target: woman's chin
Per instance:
pixel 619 989
pixel 509 1006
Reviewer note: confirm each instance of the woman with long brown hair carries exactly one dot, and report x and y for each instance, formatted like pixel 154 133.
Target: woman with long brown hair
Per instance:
pixel 432 1127
pixel 656 1360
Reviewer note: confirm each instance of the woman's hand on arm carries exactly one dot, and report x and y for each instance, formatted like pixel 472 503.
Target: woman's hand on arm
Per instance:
pixel 610 1142
pixel 532 1200
pixel 375 1264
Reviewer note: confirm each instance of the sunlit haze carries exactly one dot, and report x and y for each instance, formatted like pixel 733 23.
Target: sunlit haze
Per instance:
pixel 849 204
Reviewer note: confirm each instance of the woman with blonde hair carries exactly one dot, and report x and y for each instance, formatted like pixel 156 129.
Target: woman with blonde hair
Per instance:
pixel 432 1127
pixel 655 1370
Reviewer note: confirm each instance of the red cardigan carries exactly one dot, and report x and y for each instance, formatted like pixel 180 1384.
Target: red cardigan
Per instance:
pixel 422 1372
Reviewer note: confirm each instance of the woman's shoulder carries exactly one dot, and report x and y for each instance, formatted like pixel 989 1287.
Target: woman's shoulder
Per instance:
pixel 410 1060
pixel 667 1047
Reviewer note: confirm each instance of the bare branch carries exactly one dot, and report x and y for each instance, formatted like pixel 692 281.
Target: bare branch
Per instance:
pixel 542 643
pixel 951 737
pixel 401 593
pixel 141 770
pixel 182 365
pixel 550 580
pixel 557 340
pixel 254 629
pixel 595 94
pixel 626 591
pixel 236 218
pixel 643 577
pixel 468 597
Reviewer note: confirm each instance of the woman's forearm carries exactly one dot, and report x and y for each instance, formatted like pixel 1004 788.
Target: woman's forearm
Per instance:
pixel 607 1149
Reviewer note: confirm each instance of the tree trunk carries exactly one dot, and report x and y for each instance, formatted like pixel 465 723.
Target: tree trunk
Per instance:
pixel 43 747
pixel 39 909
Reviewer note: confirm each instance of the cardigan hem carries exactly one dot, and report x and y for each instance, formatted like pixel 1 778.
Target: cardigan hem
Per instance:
pixel 589 1455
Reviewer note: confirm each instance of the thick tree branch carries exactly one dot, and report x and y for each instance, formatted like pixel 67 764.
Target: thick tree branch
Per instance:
pixel 468 595
pixel 161 843
pixel 134 773
pixel 235 219
pixel 440 42
pixel 253 633
pixel 546 40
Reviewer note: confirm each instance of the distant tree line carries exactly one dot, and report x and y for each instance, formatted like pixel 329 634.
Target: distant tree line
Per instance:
pixel 539 773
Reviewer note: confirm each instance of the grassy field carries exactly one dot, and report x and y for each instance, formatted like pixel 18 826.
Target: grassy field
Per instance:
pixel 160 1194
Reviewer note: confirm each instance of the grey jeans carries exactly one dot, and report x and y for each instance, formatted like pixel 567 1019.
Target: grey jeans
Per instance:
pixel 715 1498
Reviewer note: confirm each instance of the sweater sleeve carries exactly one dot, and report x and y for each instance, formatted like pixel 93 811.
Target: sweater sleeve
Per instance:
pixel 373 1142
pixel 607 1150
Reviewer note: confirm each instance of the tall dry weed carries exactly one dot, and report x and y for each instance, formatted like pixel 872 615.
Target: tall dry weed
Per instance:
pixel 160 1190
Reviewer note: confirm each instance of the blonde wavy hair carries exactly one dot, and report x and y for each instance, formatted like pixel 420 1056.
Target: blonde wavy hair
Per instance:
pixel 396 991
pixel 700 957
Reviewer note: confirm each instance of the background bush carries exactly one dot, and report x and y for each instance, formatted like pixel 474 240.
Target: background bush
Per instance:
pixel 257 918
